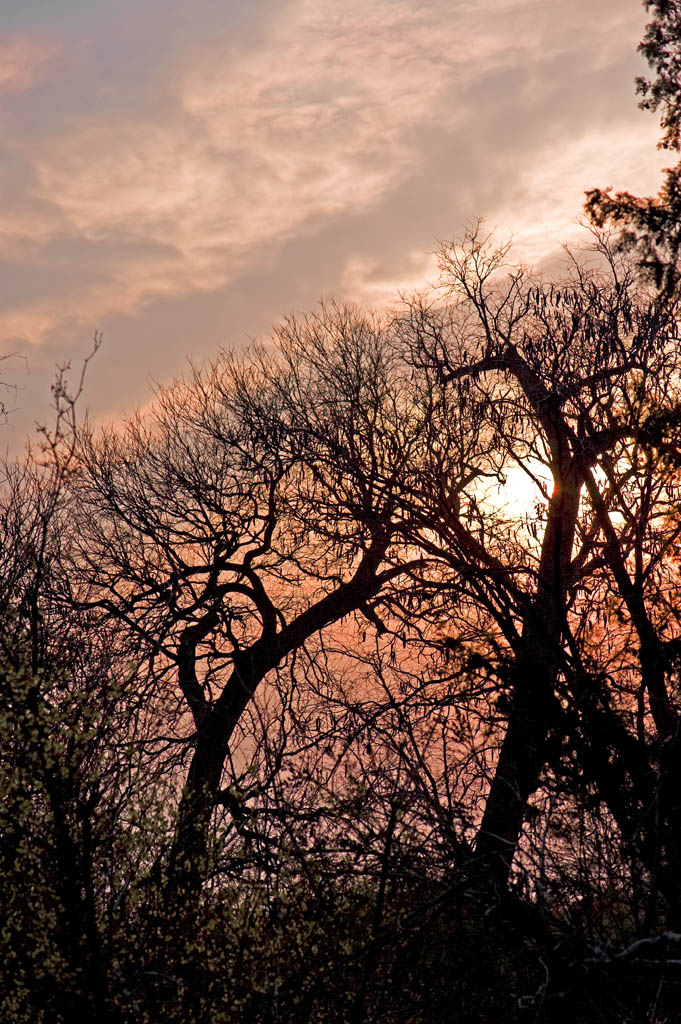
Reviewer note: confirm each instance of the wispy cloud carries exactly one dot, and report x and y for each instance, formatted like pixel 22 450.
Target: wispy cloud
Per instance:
pixel 23 58
pixel 254 148
pixel 162 163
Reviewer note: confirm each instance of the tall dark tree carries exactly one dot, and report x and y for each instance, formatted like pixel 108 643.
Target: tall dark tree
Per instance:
pixel 565 378
pixel 650 226
pixel 256 506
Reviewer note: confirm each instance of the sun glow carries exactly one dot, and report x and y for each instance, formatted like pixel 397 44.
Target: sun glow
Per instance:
pixel 522 493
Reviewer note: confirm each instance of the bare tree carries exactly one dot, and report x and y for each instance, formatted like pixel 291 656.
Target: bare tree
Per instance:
pixel 562 378
pixel 329 633
pixel 257 505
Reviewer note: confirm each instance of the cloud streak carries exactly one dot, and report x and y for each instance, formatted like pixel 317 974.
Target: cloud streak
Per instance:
pixel 253 150
pixel 320 146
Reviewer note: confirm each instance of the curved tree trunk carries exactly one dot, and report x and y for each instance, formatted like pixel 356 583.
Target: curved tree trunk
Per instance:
pixel 216 723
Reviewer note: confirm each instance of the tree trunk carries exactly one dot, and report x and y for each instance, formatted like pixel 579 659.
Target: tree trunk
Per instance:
pixel 521 759
pixel 216 723
pixel 534 709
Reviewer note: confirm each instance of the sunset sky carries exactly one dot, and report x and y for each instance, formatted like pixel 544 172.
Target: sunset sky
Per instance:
pixel 179 175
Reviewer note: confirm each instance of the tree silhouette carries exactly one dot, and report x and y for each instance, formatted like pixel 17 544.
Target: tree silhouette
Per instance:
pixel 649 226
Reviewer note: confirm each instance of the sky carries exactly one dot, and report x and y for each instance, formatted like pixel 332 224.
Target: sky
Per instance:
pixel 178 176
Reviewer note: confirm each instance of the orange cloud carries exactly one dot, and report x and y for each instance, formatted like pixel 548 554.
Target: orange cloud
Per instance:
pixel 254 150
pixel 555 186
pixel 318 122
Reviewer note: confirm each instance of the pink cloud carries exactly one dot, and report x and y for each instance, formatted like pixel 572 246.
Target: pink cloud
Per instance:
pixel 314 125
pixel 22 61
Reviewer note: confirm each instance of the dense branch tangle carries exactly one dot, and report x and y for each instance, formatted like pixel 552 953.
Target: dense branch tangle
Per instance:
pixel 258 505
pixel 566 377
pixel 349 472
